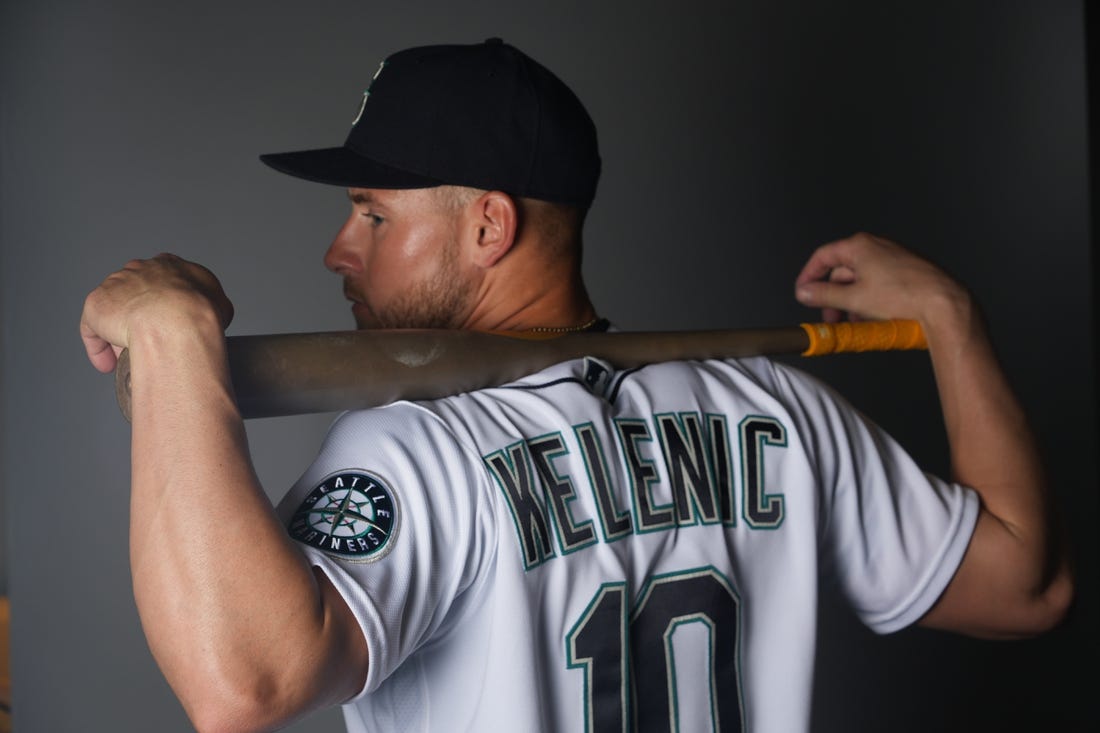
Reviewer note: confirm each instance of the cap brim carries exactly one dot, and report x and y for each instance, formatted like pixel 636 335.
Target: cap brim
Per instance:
pixel 343 167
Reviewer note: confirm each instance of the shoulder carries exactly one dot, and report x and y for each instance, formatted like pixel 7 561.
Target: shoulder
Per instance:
pixel 751 381
pixel 404 446
pixel 401 426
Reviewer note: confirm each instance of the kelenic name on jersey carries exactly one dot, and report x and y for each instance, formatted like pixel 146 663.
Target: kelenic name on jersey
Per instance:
pixel 350 515
pixel 691 478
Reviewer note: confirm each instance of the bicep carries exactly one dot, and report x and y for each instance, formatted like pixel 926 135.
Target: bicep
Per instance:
pixel 994 594
pixel 338 665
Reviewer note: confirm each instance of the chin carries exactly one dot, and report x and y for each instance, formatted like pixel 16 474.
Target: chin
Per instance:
pixel 364 319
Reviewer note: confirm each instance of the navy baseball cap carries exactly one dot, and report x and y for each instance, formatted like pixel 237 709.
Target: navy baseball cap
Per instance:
pixel 485 116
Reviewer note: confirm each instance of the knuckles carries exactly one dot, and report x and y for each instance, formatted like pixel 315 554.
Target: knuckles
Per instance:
pixel 166 281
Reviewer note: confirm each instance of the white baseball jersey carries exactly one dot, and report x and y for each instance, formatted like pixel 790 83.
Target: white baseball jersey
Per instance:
pixel 589 550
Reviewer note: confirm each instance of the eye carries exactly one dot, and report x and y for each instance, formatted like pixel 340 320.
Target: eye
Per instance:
pixel 375 219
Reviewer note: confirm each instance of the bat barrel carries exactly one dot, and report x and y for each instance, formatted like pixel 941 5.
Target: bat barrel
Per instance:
pixel 301 373
pixel 291 374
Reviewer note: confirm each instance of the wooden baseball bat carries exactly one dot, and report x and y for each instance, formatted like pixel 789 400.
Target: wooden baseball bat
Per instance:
pixel 292 374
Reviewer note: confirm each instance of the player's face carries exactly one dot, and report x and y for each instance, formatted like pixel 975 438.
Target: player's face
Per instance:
pixel 400 259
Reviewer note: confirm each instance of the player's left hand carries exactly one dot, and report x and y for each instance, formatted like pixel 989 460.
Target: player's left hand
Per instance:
pixel 864 276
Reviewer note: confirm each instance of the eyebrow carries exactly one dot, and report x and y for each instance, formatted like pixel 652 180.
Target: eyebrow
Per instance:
pixel 360 197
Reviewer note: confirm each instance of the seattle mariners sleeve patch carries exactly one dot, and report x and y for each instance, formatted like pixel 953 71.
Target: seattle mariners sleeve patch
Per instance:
pixel 351 515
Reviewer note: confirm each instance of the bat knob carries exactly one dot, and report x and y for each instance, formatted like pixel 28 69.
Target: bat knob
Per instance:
pixel 122 383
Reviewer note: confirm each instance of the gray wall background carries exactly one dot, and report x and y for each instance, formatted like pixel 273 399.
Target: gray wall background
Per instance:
pixel 736 136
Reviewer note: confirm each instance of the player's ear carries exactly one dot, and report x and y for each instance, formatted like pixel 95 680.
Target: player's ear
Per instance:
pixel 494 226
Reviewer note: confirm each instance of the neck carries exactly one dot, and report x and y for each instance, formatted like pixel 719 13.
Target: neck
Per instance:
pixel 537 295
pixel 569 313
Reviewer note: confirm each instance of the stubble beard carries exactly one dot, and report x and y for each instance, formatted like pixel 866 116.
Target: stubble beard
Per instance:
pixel 437 301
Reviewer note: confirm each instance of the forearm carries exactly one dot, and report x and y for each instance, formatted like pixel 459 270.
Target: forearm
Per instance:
pixel 991 443
pixel 228 604
pixel 1017 569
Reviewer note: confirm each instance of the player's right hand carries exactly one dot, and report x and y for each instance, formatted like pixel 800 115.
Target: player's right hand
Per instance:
pixel 165 294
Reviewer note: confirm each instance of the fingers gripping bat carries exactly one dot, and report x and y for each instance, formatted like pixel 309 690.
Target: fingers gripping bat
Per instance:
pixel 291 374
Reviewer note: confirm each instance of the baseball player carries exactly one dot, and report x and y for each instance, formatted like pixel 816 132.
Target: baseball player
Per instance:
pixel 582 550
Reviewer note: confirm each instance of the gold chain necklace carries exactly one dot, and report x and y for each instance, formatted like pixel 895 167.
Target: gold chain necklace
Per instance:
pixel 565 329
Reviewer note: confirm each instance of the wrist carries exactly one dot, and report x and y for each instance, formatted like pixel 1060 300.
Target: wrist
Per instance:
pixel 952 319
pixel 183 342
pixel 179 321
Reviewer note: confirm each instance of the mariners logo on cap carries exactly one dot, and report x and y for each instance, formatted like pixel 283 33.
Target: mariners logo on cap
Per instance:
pixel 351 515
pixel 366 94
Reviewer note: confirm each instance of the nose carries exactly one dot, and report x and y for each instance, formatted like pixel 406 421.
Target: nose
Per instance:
pixel 340 257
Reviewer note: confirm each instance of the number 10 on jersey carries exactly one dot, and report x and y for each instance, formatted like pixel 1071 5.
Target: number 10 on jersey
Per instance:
pixel 674 657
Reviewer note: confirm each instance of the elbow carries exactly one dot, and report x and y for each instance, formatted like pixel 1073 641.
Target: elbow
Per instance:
pixel 245 698
pixel 1042 611
pixel 1053 603
pixel 248 696
pixel 225 711
pixel 991 605
pixel 210 721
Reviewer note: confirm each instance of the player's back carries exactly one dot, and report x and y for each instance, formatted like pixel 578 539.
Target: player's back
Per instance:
pixel 593 549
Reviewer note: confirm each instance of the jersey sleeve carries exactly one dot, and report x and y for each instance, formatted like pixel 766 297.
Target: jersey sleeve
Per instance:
pixel 890 534
pixel 392 512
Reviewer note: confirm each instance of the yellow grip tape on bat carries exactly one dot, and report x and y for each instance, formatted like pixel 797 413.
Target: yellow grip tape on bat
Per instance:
pixel 839 338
